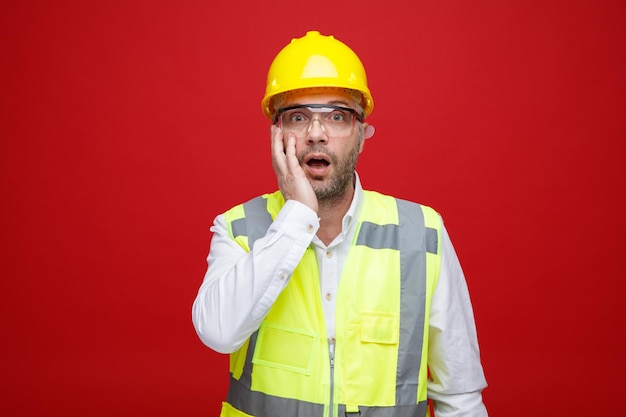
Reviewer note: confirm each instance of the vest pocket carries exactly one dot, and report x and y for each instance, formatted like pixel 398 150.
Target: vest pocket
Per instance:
pixel 368 359
pixel 379 327
pixel 285 348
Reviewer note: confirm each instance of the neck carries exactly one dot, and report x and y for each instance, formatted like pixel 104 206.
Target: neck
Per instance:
pixel 331 213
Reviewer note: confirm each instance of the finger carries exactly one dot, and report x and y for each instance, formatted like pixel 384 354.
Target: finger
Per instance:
pixel 278 149
pixel 292 159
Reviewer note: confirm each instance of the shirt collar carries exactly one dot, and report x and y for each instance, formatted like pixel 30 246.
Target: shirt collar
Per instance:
pixel 355 207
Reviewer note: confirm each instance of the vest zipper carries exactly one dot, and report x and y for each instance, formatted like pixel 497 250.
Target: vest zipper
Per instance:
pixel 331 356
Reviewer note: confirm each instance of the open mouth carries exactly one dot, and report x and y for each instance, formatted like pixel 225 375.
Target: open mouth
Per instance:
pixel 317 160
pixel 317 163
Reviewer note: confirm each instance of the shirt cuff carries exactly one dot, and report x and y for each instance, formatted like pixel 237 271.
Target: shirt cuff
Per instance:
pixel 297 221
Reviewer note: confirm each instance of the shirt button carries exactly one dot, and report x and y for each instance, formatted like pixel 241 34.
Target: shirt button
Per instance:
pixel 329 296
pixel 283 276
pixel 329 254
pixel 310 229
pixel 331 340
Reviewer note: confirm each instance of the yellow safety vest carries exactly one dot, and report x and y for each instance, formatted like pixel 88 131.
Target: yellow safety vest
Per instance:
pixel 383 301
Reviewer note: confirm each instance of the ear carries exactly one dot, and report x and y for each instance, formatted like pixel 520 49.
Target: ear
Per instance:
pixel 365 131
pixel 369 130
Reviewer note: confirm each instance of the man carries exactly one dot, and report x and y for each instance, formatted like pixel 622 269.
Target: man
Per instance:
pixel 332 300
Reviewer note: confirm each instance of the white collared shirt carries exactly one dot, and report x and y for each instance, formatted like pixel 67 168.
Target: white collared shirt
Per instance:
pixel 239 288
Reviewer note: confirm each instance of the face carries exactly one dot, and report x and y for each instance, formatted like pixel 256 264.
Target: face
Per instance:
pixel 328 162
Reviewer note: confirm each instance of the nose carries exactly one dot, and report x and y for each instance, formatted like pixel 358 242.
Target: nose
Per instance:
pixel 316 132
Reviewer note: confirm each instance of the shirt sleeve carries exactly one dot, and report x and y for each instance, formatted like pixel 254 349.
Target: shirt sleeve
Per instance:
pixel 240 287
pixel 456 374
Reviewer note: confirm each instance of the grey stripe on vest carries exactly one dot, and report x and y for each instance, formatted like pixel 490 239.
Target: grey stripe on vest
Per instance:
pixel 258 404
pixel 407 410
pixel 246 376
pixel 239 227
pixel 378 236
pixel 256 221
pixel 431 240
pixel 412 241
pixel 254 225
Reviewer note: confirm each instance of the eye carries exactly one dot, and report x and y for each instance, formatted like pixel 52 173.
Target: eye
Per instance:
pixel 296 117
pixel 338 116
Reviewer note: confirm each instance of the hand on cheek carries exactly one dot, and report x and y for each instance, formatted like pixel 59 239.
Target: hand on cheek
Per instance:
pixel 292 181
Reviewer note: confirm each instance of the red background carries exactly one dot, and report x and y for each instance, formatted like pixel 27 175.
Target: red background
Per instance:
pixel 127 126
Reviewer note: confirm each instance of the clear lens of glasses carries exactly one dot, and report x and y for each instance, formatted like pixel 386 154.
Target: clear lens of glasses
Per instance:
pixel 335 121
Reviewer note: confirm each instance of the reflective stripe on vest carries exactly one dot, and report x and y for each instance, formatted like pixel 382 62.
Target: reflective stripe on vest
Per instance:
pixel 255 223
pixel 255 403
pixel 416 238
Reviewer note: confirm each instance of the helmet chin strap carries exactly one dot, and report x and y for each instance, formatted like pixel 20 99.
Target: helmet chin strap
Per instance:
pixel 369 132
